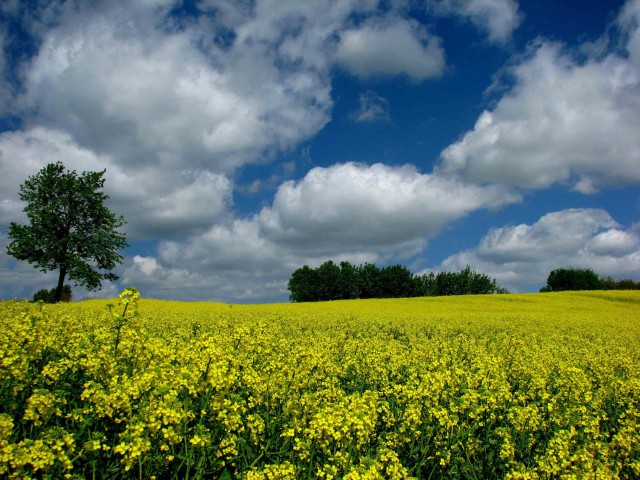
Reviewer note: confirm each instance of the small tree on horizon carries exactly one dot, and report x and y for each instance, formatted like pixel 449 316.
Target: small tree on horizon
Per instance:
pixel 69 229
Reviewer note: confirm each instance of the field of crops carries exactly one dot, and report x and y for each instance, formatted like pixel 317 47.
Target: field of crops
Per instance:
pixel 473 387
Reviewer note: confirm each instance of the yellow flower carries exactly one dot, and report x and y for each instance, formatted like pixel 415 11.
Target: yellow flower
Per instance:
pixel 539 386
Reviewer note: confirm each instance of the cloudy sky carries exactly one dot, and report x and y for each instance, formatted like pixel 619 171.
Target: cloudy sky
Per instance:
pixel 243 139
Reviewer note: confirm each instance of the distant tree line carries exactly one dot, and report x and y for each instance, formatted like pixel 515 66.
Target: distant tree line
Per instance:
pixel 571 278
pixel 49 296
pixel 346 281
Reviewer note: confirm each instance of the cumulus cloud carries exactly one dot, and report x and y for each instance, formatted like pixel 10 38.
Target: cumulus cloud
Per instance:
pixel 148 88
pixel 24 153
pixel 348 212
pixel 563 121
pixel 614 243
pixel 146 96
pixel 522 256
pixel 372 108
pixel 146 265
pixel 498 18
pixel 628 22
pixel 388 48
pixel 359 206
pixel 229 262
pixel 173 107
pixel 169 202
pixel 170 114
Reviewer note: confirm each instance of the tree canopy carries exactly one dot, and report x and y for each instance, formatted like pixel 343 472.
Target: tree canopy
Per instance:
pixel 70 229
pixel 346 281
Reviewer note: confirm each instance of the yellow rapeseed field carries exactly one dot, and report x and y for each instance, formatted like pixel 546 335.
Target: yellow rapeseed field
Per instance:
pixel 495 386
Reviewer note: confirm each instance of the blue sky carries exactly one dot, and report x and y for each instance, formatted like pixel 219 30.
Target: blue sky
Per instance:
pixel 244 139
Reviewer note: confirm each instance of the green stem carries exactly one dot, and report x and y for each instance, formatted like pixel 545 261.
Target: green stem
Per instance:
pixel 473 470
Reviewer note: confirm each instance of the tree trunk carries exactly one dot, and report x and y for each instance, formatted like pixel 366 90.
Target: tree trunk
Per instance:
pixel 58 295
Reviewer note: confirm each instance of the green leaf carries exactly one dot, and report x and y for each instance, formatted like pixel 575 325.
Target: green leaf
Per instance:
pixel 226 475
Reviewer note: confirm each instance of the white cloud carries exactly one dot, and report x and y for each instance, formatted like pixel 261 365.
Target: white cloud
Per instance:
pixel 346 212
pixel 130 82
pixel 373 108
pixel 177 205
pixel 171 113
pixel 388 48
pixel 522 256
pixel 614 243
pixel 229 262
pixel 149 97
pixel 22 154
pixel 170 202
pixel 628 23
pixel 358 206
pixel 563 121
pixel 498 18
pixel 147 265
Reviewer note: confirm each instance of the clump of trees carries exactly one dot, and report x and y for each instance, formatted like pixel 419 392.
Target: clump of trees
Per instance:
pixel 571 278
pixel 49 296
pixel 609 283
pixel 345 281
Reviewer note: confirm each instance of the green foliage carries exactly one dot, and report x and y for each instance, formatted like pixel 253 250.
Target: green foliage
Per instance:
pixel 329 284
pixel 465 282
pixel 344 282
pixel 393 281
pixel 572 278
pixel 69 229
pixel 609 283
pixel 396 281
pixel 301 285
pixel 128 301
pixel 370 281
pixel 350 283
pixel 627 284
pixel 48 296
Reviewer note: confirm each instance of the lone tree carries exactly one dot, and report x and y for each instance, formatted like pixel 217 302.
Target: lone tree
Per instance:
pixel 70 228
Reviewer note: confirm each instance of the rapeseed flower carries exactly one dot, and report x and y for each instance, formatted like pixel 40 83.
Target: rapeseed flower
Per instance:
pixel 517 386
